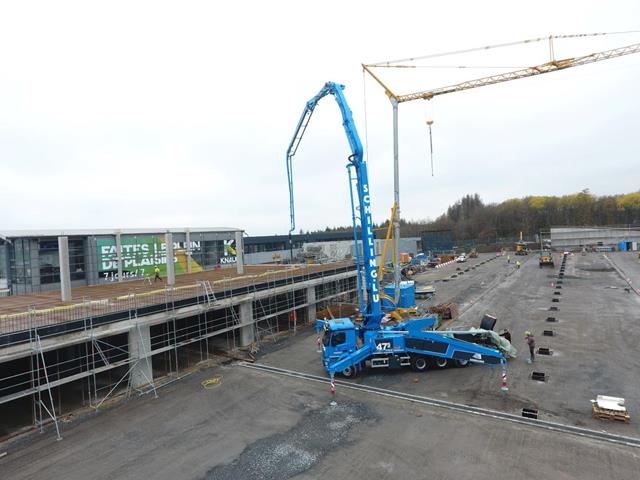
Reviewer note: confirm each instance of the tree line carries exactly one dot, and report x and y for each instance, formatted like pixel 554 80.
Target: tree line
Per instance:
pixel 471 218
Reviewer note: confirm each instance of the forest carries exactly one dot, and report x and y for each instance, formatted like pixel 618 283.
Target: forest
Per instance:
pixel 471 218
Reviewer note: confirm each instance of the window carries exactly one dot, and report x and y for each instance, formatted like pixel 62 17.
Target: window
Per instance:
pixel 334 339
pixel 50 260
pixel 20 266
pixel 212 250
pixel 338 338
pixel 3 260
pixel 4 274
pixel 76 259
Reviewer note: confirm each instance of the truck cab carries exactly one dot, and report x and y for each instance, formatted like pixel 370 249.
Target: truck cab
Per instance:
pixel 338 337
pixel 545 258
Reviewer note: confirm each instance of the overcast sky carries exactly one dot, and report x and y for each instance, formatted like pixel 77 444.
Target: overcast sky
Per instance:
pixel 170 114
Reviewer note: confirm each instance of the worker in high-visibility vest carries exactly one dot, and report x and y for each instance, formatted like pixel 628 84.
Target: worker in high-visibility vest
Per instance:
pixel 157 272
pixel 518 264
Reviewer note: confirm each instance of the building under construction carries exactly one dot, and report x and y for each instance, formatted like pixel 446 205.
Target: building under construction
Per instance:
pixel 79 346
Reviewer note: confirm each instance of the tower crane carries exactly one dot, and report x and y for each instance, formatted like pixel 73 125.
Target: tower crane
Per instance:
pixel 552 66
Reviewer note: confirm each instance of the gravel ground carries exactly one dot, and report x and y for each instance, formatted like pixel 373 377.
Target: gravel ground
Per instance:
pixel 290 453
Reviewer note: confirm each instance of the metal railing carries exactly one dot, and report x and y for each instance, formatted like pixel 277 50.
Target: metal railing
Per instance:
pixel 18 327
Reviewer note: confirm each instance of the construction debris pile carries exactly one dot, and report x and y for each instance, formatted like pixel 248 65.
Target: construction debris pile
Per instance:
pixel 445 311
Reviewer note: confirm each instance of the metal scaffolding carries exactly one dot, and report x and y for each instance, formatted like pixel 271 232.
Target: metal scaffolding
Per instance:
pixel 91 363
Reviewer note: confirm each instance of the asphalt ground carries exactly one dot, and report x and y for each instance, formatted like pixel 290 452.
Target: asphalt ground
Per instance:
pixel 258 425
pixel 465 283
pixel 594 346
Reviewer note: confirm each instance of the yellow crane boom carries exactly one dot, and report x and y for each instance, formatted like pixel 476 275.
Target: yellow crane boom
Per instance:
pixel 552 66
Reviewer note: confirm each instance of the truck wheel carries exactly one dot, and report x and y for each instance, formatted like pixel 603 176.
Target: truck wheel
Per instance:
pixel 419 364
pixel 441 362
pixel 458 362
pixel 349 372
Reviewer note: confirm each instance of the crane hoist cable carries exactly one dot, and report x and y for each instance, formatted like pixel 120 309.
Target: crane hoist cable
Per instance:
pixel 430 123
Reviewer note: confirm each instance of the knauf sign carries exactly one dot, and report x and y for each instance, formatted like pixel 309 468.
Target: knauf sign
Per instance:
pixel 230 254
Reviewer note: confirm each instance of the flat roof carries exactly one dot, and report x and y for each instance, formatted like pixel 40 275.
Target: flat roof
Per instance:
pixel 109 231
pixel 109 297
pixel 312 237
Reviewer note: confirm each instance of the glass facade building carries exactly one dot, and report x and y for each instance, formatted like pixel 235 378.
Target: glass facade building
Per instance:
pixel 30 260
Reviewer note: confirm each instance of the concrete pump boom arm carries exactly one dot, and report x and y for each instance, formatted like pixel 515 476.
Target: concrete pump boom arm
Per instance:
pixel 372 312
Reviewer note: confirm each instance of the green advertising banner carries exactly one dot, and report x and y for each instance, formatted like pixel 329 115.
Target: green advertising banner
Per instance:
pixel 141 255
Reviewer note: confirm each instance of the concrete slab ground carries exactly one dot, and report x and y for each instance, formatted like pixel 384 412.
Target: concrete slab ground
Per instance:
pixel 594 347
pixel 257 425
pixel 472 279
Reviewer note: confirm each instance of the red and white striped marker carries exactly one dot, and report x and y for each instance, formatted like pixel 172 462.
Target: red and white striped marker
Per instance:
pixel 504 387
pixel 333 402
pixel 318 348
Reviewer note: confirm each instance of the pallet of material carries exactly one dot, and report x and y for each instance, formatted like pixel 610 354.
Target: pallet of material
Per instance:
pixel 446 311
pixel 610 408
pixel 610 414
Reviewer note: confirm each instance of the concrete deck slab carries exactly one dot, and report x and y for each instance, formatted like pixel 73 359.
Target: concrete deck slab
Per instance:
pixel 255 419
pixel 597 334
pixel 21 303
pixel 253 426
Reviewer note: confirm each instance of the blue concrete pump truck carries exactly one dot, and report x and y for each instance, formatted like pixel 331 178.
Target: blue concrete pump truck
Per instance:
pixel 370 340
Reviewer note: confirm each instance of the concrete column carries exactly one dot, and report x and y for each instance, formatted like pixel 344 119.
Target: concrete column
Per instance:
pixel 188 249
pixel 90 262
pixel 34 265
pixel 4 266
pixel 239 253
pixel 247 326
pixel 311 309
pixel 140 350
pixel 171 271
pixel 65 275
pixel 119 255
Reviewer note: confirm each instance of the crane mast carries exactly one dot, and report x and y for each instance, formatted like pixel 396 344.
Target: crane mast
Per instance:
pixel 370 309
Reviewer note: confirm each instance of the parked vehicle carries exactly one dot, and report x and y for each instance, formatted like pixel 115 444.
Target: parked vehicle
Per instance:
pixel 546 259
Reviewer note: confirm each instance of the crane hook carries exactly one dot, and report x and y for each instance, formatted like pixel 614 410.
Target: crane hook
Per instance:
pixel 429 123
